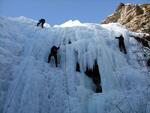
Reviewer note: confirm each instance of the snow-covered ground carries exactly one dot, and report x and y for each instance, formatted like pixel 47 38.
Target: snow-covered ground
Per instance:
pixel 28 84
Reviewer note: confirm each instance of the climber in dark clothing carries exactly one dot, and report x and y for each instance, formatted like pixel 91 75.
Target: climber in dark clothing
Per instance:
pixel 53 53
pixel 121 44
pixel 41 22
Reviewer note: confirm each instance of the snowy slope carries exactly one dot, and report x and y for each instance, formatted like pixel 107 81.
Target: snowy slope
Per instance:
pixel 28 84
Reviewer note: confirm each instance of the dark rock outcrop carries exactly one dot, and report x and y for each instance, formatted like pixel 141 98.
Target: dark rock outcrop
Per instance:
pixel 95 75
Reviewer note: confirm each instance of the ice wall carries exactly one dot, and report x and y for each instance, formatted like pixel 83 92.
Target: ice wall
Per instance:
pixel 28 84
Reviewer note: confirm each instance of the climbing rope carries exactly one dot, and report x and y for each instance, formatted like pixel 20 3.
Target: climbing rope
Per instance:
pixel 66 79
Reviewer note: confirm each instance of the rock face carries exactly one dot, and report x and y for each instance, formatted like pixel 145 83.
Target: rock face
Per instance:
pixel 133 16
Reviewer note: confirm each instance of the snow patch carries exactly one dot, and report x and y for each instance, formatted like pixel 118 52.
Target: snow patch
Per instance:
pixel 70 23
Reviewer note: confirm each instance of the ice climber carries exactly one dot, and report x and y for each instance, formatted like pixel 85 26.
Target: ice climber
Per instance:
pixel 121 44
pixel 41 23
pixel 53 53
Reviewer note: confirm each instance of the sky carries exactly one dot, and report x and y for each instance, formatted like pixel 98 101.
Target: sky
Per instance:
pixel 60 11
